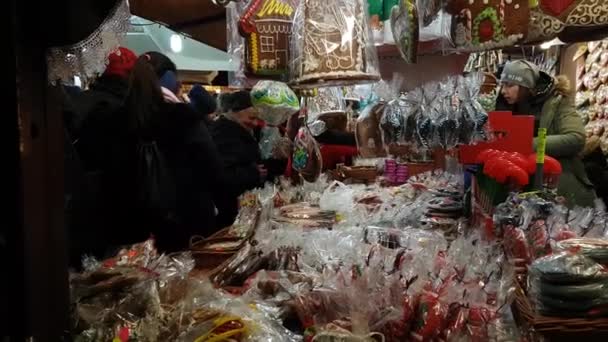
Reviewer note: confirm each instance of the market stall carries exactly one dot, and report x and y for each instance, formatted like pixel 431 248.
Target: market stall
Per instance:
pixel 441 223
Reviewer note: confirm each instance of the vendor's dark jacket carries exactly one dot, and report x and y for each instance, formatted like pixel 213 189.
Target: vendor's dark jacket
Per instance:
pixel 240 156
pixel 553 109
pixel 108 146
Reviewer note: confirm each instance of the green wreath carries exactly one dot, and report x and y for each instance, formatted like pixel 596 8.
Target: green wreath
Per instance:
pixel 488 13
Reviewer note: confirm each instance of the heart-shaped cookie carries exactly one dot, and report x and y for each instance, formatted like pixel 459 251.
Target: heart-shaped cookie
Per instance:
pixel 556 8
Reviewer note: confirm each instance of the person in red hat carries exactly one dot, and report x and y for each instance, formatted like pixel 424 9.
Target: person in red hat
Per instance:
pixel 106 94
pixel 82 111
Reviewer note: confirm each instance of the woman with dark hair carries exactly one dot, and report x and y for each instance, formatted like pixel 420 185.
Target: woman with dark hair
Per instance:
pixel 233 134
pixel 151 120
pixel 529 91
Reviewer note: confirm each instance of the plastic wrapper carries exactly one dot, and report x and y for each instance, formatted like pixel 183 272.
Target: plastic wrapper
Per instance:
pixel 570 285
pixel 538 239
pixel 592 58
pixel 596 249
pixel 306 157
pixel 603 74
pixel 430 317
pixel 138 255
pixel 568 268
pixel 244 264
pixel 306 216
pixel 473 116
pixel 594 46
pixel 448 124
pixel 429 10
pixel 478 26
pixel 376 12
pixel 258 34
pixel 275 101
pixel 405 28
pixel 332 44
pixel 368 134
pixel 394 122
pixel 326 110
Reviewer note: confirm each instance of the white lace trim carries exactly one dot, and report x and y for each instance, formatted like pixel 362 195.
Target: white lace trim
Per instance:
pixel 88 58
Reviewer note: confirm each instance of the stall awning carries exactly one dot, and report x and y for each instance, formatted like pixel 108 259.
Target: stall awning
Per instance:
pixel 191 55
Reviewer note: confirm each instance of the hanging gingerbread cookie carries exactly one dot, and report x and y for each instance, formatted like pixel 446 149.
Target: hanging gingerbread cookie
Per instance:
pixel 488 24
pixel 266 26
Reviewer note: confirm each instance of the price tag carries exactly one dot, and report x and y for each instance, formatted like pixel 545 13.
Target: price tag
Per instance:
pixel 540 146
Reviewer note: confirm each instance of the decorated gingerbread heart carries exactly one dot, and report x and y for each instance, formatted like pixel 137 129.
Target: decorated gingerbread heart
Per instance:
pixel 556 8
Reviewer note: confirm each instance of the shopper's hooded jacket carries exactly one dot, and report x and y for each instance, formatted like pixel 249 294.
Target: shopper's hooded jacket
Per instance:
pixel 185 142
pixel 553 109
pixel 240 155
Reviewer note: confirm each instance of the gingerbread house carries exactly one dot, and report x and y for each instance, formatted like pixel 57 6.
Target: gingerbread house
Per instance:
pixel 488 24
pixel 266 27
pixel 332 44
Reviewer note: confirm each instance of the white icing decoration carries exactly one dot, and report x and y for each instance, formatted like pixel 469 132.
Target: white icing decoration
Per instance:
pixel 334 38
pixel 509 2
pixel 485 2
pixel 471 2
pixel 516 6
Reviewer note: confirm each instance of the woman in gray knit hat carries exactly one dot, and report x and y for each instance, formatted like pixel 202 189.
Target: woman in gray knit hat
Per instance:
pixel 528 90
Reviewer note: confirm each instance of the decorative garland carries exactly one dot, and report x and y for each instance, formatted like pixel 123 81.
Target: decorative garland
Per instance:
pixel 487 14
pixel 255 57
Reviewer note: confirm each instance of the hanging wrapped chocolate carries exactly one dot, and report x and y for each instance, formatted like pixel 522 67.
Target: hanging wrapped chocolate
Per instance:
pixel 306 158
pixel 275 102
pixel 326 110
pixel 404 24
pixel 332 44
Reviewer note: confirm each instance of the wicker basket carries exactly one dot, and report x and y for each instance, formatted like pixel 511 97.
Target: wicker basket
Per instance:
pixel 557 328
pixel 418 168
pixel 366 174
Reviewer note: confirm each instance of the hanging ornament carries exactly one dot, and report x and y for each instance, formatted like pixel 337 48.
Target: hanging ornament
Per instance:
pixel 404 24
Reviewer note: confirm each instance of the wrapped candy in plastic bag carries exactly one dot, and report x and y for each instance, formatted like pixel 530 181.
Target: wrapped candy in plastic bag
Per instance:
pixel 568 268
pixel 307 156
pixel 473 116
pixel 448 124
pixel 567 284
pixel 326 110
pixel 368 134
pixel 394 122
pixel 596 249
pixel 426 123
pixel 275 103
pixel 404 25
pixel 332 44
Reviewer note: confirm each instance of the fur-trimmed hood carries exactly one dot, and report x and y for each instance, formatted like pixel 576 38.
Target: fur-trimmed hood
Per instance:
pixel 548 86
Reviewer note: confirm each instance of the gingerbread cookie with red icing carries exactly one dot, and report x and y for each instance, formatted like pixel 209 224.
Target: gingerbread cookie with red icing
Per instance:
pixel 488 24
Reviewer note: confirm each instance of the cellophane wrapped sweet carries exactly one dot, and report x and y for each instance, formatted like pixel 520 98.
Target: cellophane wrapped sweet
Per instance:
pixel 332 44
pixel 405 28
pixel 275 103
pixel 326 110
pixel 569 284
pixel 258 34
pixel 306 158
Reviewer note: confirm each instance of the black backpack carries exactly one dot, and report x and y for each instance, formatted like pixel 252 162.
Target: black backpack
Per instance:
pixel 155 182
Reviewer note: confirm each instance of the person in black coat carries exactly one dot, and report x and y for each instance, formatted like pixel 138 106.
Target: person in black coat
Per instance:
pixel 233 134
pixel 202 101
pixel 184 142
pixel 105 95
